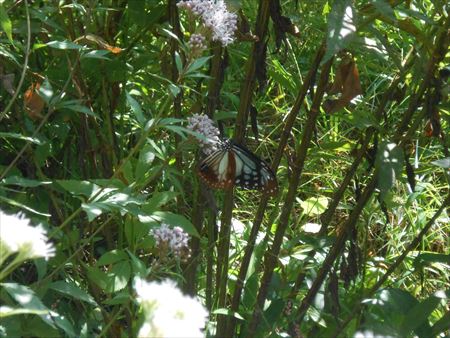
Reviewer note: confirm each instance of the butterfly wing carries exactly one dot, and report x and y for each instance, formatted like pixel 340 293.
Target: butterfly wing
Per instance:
pixel 218 169
pixel 252 172
pixel 233 164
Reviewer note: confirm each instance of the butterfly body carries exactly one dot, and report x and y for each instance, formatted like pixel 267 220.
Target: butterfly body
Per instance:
pixel 234 165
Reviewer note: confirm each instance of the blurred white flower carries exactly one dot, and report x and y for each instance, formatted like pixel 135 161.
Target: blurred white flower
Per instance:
pixel 202 124
pixel 215 16
pixel 17 235
pixel 167 312
pixel 175 240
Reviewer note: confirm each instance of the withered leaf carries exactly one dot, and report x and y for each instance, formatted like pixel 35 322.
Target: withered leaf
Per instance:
pixel 347 84
pixel 34 104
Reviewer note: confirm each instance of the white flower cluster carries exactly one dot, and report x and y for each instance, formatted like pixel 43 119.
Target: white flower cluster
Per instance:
pixel 17 235
pixel 202 124
pixel 168 313
pixel 174 240
pixel 215 16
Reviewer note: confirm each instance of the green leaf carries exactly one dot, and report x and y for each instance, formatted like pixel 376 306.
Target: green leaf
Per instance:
pixel 111 257
pixel 23 182
pixel 441 325
pixel 443 163
pixel 227 312
pixel 72 290
pixel 122 274
pixel 138 266
pixel 77 106
pixel 385 9
pixel 171 219
pixel 146 158
pixel 29 301
pixel 196 64
pixel 431 257
pixel 64 45
pixel 79 188
pixel 136 108
pixel 178 62
pixel 417 316
pixel 175 90
pixel 314 206
pixel 46 91
pixel 158 199
pixel 34 140
pixel 96 54
pixel 122 297
pixel 389 165
pixel 22 206
pixel 6 24
pixel 6 311
pixel 341 28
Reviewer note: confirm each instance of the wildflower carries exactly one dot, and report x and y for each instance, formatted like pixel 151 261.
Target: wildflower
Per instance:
pixel 17 235
pixel 215 16
pixel 172 240
pixel 197 44
pixel 202 124
pixel 167 312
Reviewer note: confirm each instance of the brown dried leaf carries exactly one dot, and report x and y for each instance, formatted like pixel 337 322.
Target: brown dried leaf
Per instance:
pixel 34 104
pixel 347 84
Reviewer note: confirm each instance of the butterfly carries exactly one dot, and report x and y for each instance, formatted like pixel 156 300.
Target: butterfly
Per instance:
pixel 234 165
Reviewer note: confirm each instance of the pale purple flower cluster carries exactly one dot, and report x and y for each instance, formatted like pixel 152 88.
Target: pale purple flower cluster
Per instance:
pixel 197 44
pixel 202 124
pixel 215 16
pixel 174 240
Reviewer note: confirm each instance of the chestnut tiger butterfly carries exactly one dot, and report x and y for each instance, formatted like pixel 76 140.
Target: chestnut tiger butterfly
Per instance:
pixel 234 165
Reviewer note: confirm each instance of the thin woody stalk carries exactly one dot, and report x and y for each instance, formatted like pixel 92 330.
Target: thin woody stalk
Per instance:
pixel 246 95
pixel 264 199
pixel 270 258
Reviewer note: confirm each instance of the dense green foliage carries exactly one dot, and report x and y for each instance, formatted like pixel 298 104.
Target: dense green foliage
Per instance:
pixel 348 101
